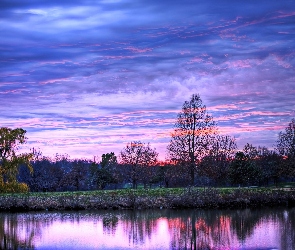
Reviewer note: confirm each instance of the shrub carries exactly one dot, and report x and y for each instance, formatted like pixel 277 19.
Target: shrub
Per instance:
pixel 13 187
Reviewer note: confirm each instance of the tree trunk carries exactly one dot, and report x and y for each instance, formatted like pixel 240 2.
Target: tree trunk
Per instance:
pixel 192 173
pixel 134 186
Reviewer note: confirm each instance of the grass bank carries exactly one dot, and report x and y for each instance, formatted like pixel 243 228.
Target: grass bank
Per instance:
pixel 150 198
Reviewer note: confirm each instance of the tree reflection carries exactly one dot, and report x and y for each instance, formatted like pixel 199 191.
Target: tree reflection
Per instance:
pixel 244 222
pixel 139 225
pixel 288 229
pixel 203 229
pixel 183 229
pixel 110 223
pixel 220 229
pixel 16 233
pixel 190 231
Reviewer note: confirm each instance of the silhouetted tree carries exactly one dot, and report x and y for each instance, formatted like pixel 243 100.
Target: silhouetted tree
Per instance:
pixel 104 173
pixel 46 176
pixel 149 175
pixel 269 165
pixel 216 164
pixel 49 174
pixel 134 158
pixel 193 135
pixel 166 172
pixel 76 178
pixel 171 174
pixel 242 170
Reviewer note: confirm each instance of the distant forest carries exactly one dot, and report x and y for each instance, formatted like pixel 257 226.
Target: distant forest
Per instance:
pixel 197 155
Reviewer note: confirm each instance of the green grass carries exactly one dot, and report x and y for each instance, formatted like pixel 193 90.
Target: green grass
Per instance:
pixel 141 191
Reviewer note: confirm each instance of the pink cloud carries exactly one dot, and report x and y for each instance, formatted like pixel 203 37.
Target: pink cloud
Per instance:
pixel 55 80
pixel 184 52
pixel 11 91
pixel 223 107
pixel 54 62
pixel 137 50
pixel 243 115
pixel 239 64
pixel 247 128
pixel 282 62
pixel 196 60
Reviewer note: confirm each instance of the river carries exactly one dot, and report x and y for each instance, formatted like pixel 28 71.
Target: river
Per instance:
pixel 272 228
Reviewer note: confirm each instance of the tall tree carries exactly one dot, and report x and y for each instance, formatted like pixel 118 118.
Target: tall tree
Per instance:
pixel 134 158
pixel 10 140
pixel 193 135
pixel 286 147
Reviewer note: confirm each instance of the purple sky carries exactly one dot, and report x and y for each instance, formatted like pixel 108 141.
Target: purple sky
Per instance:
pixel 85 77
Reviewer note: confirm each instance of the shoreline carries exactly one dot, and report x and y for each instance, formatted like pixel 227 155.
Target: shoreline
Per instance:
pixel 202 198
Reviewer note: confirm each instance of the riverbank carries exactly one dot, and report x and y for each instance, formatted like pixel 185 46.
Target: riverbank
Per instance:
pixel 150 198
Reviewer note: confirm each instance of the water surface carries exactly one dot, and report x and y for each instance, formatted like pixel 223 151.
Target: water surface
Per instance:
pixel 150 229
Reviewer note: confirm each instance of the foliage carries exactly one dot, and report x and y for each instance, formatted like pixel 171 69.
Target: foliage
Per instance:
pixel 269 165
pixel 108 160
pixel 193 135
pixel 242 170
pixel 216 164
pixel 104 173
pixel 14 187
pixel 46 177
pixel 75 178
pixel 171 174
pixel 10 140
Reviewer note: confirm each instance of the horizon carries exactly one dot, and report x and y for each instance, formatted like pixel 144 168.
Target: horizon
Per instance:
pixel 86 78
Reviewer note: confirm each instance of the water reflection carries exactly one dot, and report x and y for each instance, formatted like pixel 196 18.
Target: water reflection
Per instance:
pixel 150 229
pixel 17 233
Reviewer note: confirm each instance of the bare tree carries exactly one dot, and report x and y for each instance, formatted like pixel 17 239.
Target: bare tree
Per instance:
pixel 193 135
pixel 134 157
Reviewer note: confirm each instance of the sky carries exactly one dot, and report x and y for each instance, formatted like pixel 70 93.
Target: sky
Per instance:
pixel 86 77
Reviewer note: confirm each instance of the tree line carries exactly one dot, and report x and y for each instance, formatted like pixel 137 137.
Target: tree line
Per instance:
pixel 197 155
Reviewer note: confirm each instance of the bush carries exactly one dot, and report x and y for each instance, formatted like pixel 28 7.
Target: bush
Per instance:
pixel 13 187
